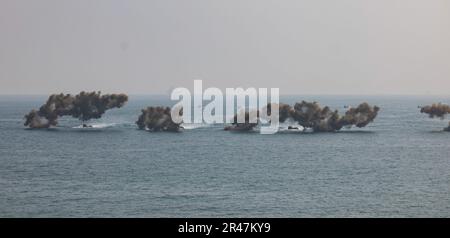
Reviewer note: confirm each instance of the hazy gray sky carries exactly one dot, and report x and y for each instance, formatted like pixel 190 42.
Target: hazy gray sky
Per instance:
pixel 302 47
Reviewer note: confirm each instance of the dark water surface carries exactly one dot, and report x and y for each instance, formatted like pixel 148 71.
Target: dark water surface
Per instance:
pixel 397 166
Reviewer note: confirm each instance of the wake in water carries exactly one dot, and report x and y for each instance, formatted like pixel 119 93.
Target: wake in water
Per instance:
pixel 96 126
pixel 194 126
pixel 290 126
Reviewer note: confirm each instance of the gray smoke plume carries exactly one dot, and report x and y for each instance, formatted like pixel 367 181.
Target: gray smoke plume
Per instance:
pixel 157 119
pixel 437 110
pixel 359 116
pixel 84 106
pixel 285 111
pixel 312 115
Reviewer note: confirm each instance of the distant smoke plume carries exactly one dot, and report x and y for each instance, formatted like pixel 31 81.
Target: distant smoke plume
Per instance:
pixel 312 115
pixel 84 106
pixel 359 116
pixel 157 119
pixel 438 110
pixel 285 111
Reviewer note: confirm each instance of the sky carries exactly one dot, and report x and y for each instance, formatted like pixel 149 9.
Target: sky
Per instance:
pixel 152 46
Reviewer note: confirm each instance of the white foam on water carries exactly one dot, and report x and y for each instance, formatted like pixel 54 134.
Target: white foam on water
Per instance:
pixel 96 126
pixel 285 126
pixel 192 126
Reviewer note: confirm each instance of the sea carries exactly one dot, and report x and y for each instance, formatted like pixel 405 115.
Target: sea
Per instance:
pixel 397 166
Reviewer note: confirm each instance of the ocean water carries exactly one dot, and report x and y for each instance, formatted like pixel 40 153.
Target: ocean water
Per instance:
pixel 398 166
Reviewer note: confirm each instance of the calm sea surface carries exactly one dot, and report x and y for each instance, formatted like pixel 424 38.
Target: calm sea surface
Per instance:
pixel 398 166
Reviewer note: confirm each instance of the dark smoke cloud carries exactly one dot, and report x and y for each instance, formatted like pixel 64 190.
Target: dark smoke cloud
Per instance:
pixel 84 106
pixel 438 110
pixel 285 111
pixel 312 115
pixel 359 116
pixel 157 119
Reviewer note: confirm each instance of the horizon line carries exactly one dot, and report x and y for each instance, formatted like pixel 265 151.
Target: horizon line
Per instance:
pixel 285 94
